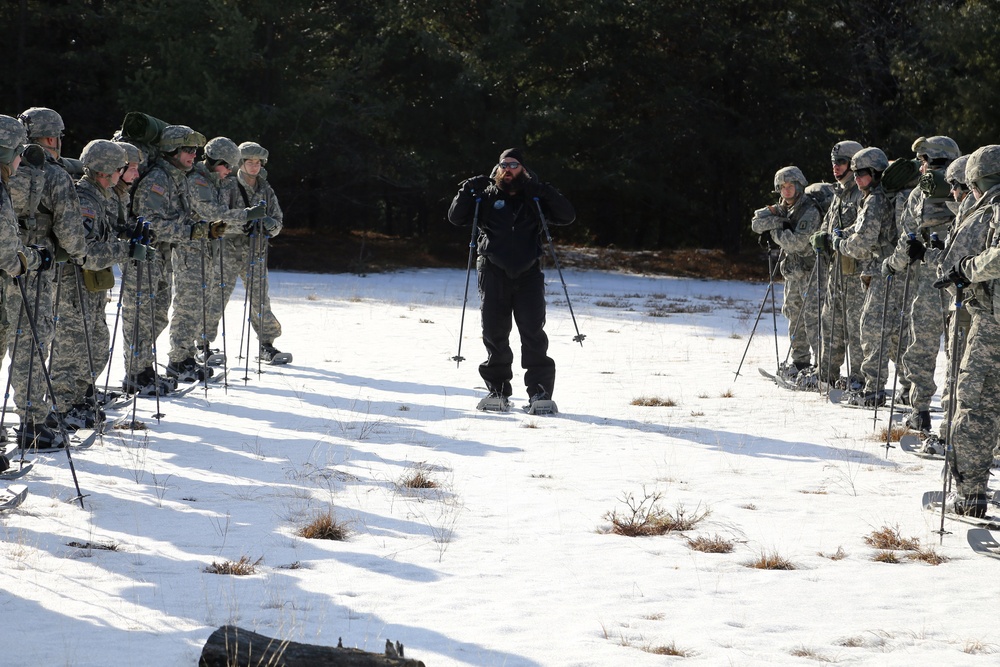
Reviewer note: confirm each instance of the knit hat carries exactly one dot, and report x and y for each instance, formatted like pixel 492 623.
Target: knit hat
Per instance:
pixel 513 154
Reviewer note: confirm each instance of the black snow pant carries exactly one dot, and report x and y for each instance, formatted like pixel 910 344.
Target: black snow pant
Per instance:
pixel 523 298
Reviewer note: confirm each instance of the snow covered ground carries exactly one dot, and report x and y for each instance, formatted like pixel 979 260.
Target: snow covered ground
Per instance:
pixel 509 560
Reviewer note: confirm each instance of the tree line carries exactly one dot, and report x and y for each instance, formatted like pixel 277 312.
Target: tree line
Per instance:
pixel 663 122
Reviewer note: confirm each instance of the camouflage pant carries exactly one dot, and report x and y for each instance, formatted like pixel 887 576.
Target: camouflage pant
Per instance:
pixel 977 418
pixel 880 340
pixel 237 260
pixel 842 304
pixel 194 289
pixel 139 351
pixel 801 309
pixel 71 370
pixel 927 317
pixel 25 368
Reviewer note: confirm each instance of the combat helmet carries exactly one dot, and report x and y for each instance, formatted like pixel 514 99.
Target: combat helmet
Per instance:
pixel 938 149
pixel 250 150
pixel 132 152
pixel 790 175
pixel 223 149
pixel 870 158
pixel 955 174
pixel 983 167
pixel 12 139
pixel 103 156
pixel 844 150
pixel 174 137
pixel 42 122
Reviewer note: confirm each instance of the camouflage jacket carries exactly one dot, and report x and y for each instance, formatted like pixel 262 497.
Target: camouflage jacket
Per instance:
pixel 983 267
pixel 805 217
pixel 163 198
pixel 921 218
pixel 251 195
pixel 10 244
pixel 967 237
pixel 99 209
pixel 843 209
pixel 216 202
pixel 48 210
pixel 873 235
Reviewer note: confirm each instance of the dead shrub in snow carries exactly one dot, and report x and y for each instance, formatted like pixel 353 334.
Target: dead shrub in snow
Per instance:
pixel 898 431
pixel 240 568
pixel 770 560
pixel 886 557
pixel 711 545
pixel 929 556
pixel 889 538
pixel 812 654
pixel 670 649
pixel 839 554
pixel 654 402
pixel 325 527
pixel 417 477
pixel 646 517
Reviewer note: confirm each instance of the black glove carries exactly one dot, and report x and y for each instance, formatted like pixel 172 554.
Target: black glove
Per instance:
pixel 766 242
pixel 788 225
pixel 34 155
pixel 916 250
pixel 477 185
pixel 39 260
pixel 954 275
pixel 256 212
pixel 199 230
pixel 270 224
pixel 936 242
pixel 533 189
pixel 216 230
pixel 137 251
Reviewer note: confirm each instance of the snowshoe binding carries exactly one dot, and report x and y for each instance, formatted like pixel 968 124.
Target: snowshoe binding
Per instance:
pixel 541 404
pixel 210 356
pixel 494 402
pixel 272 356
pixel 188 371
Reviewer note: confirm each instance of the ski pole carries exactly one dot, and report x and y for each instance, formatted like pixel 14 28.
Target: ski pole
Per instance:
pixel 899 345
pixel 152 328
pixel 10 371
pixel 222 301
pixel 545 227
pixel 769 291
pixel 247 297
pixel 204 317
pixel 881 348
pixel 48 381
pixel 950 460
pixel 774 263
pixel 261 287
pixel 458 358
pixel 819 319
pixel 90 351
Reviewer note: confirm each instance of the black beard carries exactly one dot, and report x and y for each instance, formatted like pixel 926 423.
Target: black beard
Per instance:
pixel 516 184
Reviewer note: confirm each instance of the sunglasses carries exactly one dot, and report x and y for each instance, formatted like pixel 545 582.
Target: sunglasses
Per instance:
pixel 190 149
pixel 509 165
pixel 841 162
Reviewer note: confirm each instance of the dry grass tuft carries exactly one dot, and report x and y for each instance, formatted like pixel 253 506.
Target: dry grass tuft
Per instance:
pixel 130 426
pixel 977 647
pixel 898 431
pixel 241 568
pixel 697 414
pixel 654 402
pixel 670 649
pixel 727 394
pixel 850 642
pixel 645 517
pixel 886 557
pixel 749 506
pixel 418 477
pixel 101 546
pixel 928 555
pixel 711 545
pixel 812 654
pixel 770 560
pixel 839 554
pixel 889 538
pixel 325 527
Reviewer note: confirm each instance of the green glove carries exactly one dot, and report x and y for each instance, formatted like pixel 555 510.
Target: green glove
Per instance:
pixel 256 212
pixel 199 230
pixel 820 242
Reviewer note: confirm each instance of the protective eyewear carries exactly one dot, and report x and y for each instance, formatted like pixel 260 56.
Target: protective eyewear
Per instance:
pixel 841 162
pixel 190 149
pixel 509 165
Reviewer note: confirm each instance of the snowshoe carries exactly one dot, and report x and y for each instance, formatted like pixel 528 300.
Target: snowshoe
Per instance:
pixel 918 421
pixel 210 356
pixel 148 383
pixel 541 404
pixel 866 399
pixel 495 402
pixel 40 438
pixel 975 505
pixel 272 356
pixel 12 496
pixel 188 370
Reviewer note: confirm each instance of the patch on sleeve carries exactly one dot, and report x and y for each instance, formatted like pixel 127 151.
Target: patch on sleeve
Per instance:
pixel 88 212
pixel 200 181
pixel 158 190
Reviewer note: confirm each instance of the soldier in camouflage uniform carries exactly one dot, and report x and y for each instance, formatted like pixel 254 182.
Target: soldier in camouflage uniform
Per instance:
pixel 83 323
pixel 871 239
pixel 790 223
pixel 244 253
pixel 217 204
pixel 163 199
pixel 977 414
pixel 15 258
pixel 845 293
pixel 48 211
pixel 925 221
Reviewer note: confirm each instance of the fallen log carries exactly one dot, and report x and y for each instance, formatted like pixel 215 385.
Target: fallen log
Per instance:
pixel 230 646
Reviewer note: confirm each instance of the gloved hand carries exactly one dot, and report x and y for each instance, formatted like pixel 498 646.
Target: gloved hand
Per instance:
pixel 477 184
pixel 820 242
pixel 915 250
pixel 151 254
pixel 270 224
pixel 255 212
pixel 887 269
pixel 534 189
pixel 936 242
pixel 788 225
pixel 216 230
pixel 34 155
pixel 137 251
pixel 199 230
pixel 954 275
pixel 838 241
pixel 61 255
pixel 766 242
pixel 35 258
